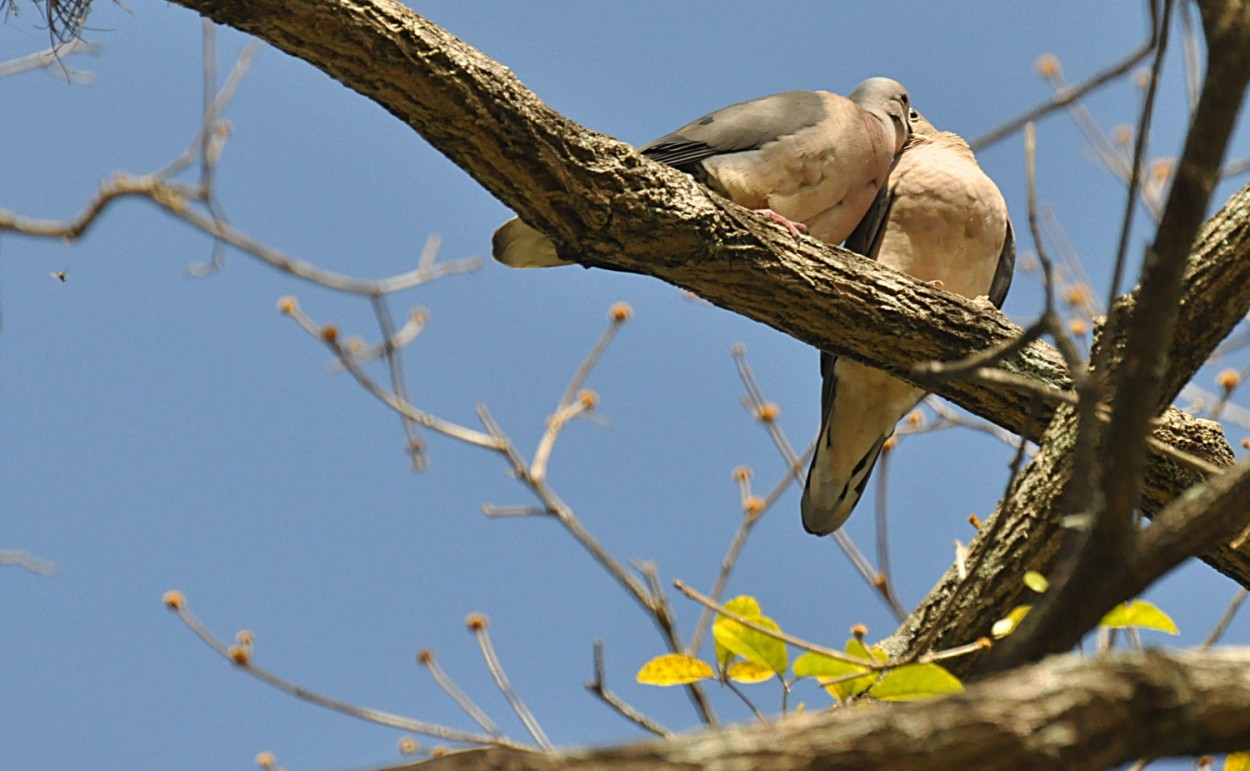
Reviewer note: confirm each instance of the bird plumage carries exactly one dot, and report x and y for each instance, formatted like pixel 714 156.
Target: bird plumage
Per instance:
pixel 813 157
pixel 939 218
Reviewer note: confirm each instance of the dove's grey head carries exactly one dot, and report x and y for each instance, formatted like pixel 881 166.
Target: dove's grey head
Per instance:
pixel 888 100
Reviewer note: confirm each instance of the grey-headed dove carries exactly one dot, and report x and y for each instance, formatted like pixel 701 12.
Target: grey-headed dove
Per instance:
pixel 940 219
pixel 807 159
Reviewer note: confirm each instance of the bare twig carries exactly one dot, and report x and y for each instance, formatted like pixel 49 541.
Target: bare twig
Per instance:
pixel 766 412
pixel 392 343
pixel 27 561
pixel 241 658
pixel 717 608
pixel 426 659
pixel 1230 612
pixel 477 624
pixel 329 336
pixel 1068 96
pixel 50 60
pixel 599 688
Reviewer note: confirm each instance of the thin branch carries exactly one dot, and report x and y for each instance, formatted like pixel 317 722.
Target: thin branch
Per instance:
pixel 719 609
pixel 391 346
pixel 27 561
pixel 766 413
pixel 426 659
pixel 599 688
pixel 329 336
pixel 1230 612
pixel 477 624
pixel 50 60
pixel 176 603
pixel 1068 96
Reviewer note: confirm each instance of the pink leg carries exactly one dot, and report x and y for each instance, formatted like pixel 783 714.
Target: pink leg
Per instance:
pixel 795 228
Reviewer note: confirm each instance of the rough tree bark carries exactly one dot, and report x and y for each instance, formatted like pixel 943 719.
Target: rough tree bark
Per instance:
pixel 605 206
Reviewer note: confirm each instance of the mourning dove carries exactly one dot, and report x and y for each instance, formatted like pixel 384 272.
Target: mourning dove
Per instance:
pixel 809 160
pixel 942 220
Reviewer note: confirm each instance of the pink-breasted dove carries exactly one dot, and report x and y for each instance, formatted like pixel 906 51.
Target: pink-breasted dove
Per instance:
pixel 808 158
pixel 940 219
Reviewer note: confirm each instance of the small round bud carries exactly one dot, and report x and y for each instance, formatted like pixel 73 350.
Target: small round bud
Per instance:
pixel 879 581
pixel 407 745
pixel 240 655
pixel 1228 379
pixel 741 474
pixel 288 305
pixel 419 315
pixel 753 505
pixel 266 760
pixel 1161 169
pixel 1077 294
pixel 1245 444
pixel 588 398
pixel 330 333
pixel 1141 78
pixel 737 349
pixel 1078 327
pixel 984 643
pixel 439 751
pixel 475 621
pixel 915 418
pixel 1047 65
pixel 889 444
pixel 620 312
pixel 1123 133
pixel 767 412
pixel 975 521
pixel 245 637
pixel 859 632
pixel 174 599
pixel 425 656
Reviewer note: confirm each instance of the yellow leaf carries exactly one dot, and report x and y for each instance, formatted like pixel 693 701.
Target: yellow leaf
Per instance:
pixel 1140 614
pixel 1237 761
pixel 749 672
pixel 1036 581
pixel 915 681
pixel 742 605
pixel 738 639
pixel 674 669
pixel 1005 626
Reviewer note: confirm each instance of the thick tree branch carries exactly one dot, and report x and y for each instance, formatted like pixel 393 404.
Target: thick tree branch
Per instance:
pixel 1096 573
pixel 1061 713
pixel 627 213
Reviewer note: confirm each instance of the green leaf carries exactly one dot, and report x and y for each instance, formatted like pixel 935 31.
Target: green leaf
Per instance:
pixel 743 605
pixel 915 681
pixel 819 665
pixel 740 640
pixel 1005 626
pixel 674 669
pixel 1036 581
pixel 749 672
pixel 1237 761
pixel 835 670
pixel 1140 614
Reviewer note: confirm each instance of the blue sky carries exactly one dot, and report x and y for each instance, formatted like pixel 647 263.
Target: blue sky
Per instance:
pixel 162 432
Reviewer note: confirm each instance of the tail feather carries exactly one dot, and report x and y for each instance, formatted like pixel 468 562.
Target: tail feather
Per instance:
pixel 861 407
pixel 518 245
